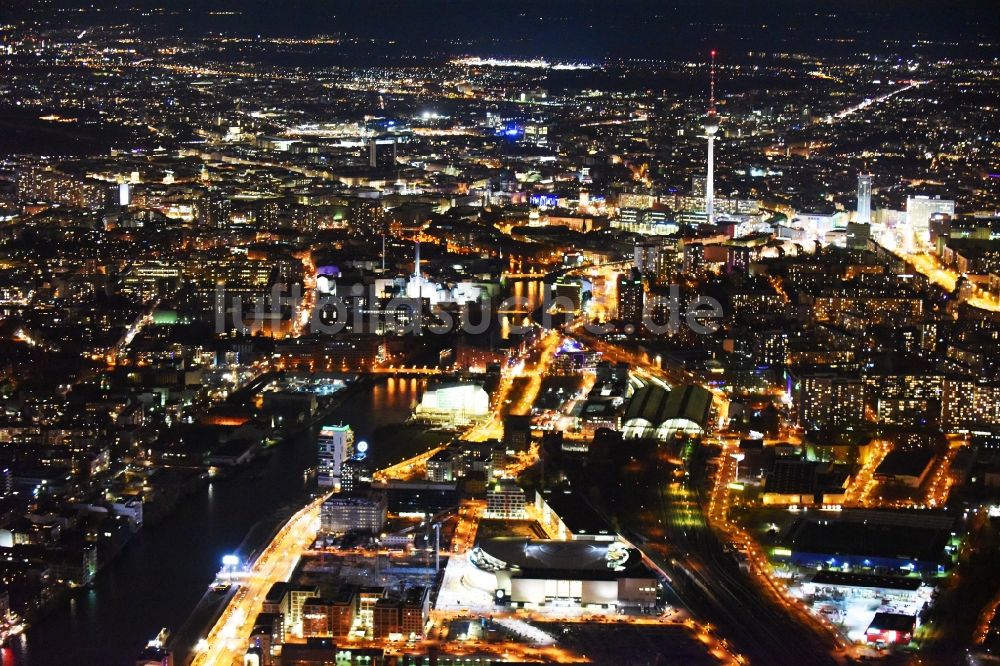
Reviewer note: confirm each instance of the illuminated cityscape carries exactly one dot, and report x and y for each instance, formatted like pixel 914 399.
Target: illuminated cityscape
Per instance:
pixel 454 332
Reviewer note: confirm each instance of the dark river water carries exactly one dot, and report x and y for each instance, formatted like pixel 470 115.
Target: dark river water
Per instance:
pixel 162 574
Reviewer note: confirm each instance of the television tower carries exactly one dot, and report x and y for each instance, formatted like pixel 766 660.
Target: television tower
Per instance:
pixel 711 126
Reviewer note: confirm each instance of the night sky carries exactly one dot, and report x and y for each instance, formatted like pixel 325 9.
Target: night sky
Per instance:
pixel 587 28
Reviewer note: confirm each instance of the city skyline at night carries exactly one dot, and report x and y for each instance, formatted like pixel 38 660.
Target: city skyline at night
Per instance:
pixel 441 331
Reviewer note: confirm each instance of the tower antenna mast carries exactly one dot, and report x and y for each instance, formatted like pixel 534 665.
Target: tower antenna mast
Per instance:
pixel 711 88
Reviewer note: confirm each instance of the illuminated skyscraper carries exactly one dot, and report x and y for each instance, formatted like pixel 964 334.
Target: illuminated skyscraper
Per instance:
pixel 630 296
pixel 366 217
pixel 830 400
pixel 124 195
pixel 693 258
pixel 864 198
pixel 698 186
pixel 656 259
pixel 335 445
pixel 920 210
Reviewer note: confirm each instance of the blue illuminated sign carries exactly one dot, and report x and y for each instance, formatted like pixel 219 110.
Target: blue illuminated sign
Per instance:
pixel 511 131
pixel 547 200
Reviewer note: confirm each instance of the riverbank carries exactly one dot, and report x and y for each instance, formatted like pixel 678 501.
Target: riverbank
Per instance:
pixel 391 443
pixel 212 604
pixel 164 572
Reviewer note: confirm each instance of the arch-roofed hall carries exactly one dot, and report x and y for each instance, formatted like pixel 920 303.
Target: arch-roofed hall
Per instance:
pixel 654 411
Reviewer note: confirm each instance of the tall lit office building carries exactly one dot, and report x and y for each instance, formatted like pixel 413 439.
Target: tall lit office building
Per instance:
pixel 124 195
pixel 656 259
pixel 335 445
pixel 366 217
pixel 693 258
pixel 864 198
pixel 827 400
pixel 698 186
pixel 970 404
pixel 920 209
pixel 630 296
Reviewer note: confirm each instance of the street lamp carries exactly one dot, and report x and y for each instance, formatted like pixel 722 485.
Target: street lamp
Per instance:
pixel 229 563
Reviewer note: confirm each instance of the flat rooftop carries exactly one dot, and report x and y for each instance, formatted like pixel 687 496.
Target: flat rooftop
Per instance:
pixel 863 539
pixel 586 560
pixel 576 513
pixel 912 462
pixel 830 577
pixel 893 622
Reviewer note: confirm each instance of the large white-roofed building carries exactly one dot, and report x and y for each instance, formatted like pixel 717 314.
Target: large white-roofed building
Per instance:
pixel 454 403
pixel 541 573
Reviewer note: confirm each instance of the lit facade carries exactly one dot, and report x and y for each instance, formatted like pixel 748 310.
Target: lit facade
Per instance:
pixel 505 500
pixel 352 513
pixel 829 400
pixel 334 446
pixel 864 198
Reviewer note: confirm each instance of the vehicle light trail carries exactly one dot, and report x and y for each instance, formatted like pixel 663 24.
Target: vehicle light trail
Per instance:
pixel 226 641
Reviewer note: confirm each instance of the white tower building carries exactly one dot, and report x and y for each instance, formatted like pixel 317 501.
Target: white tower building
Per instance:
pixel 864 198
pixel 334 446
pixel 919 211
